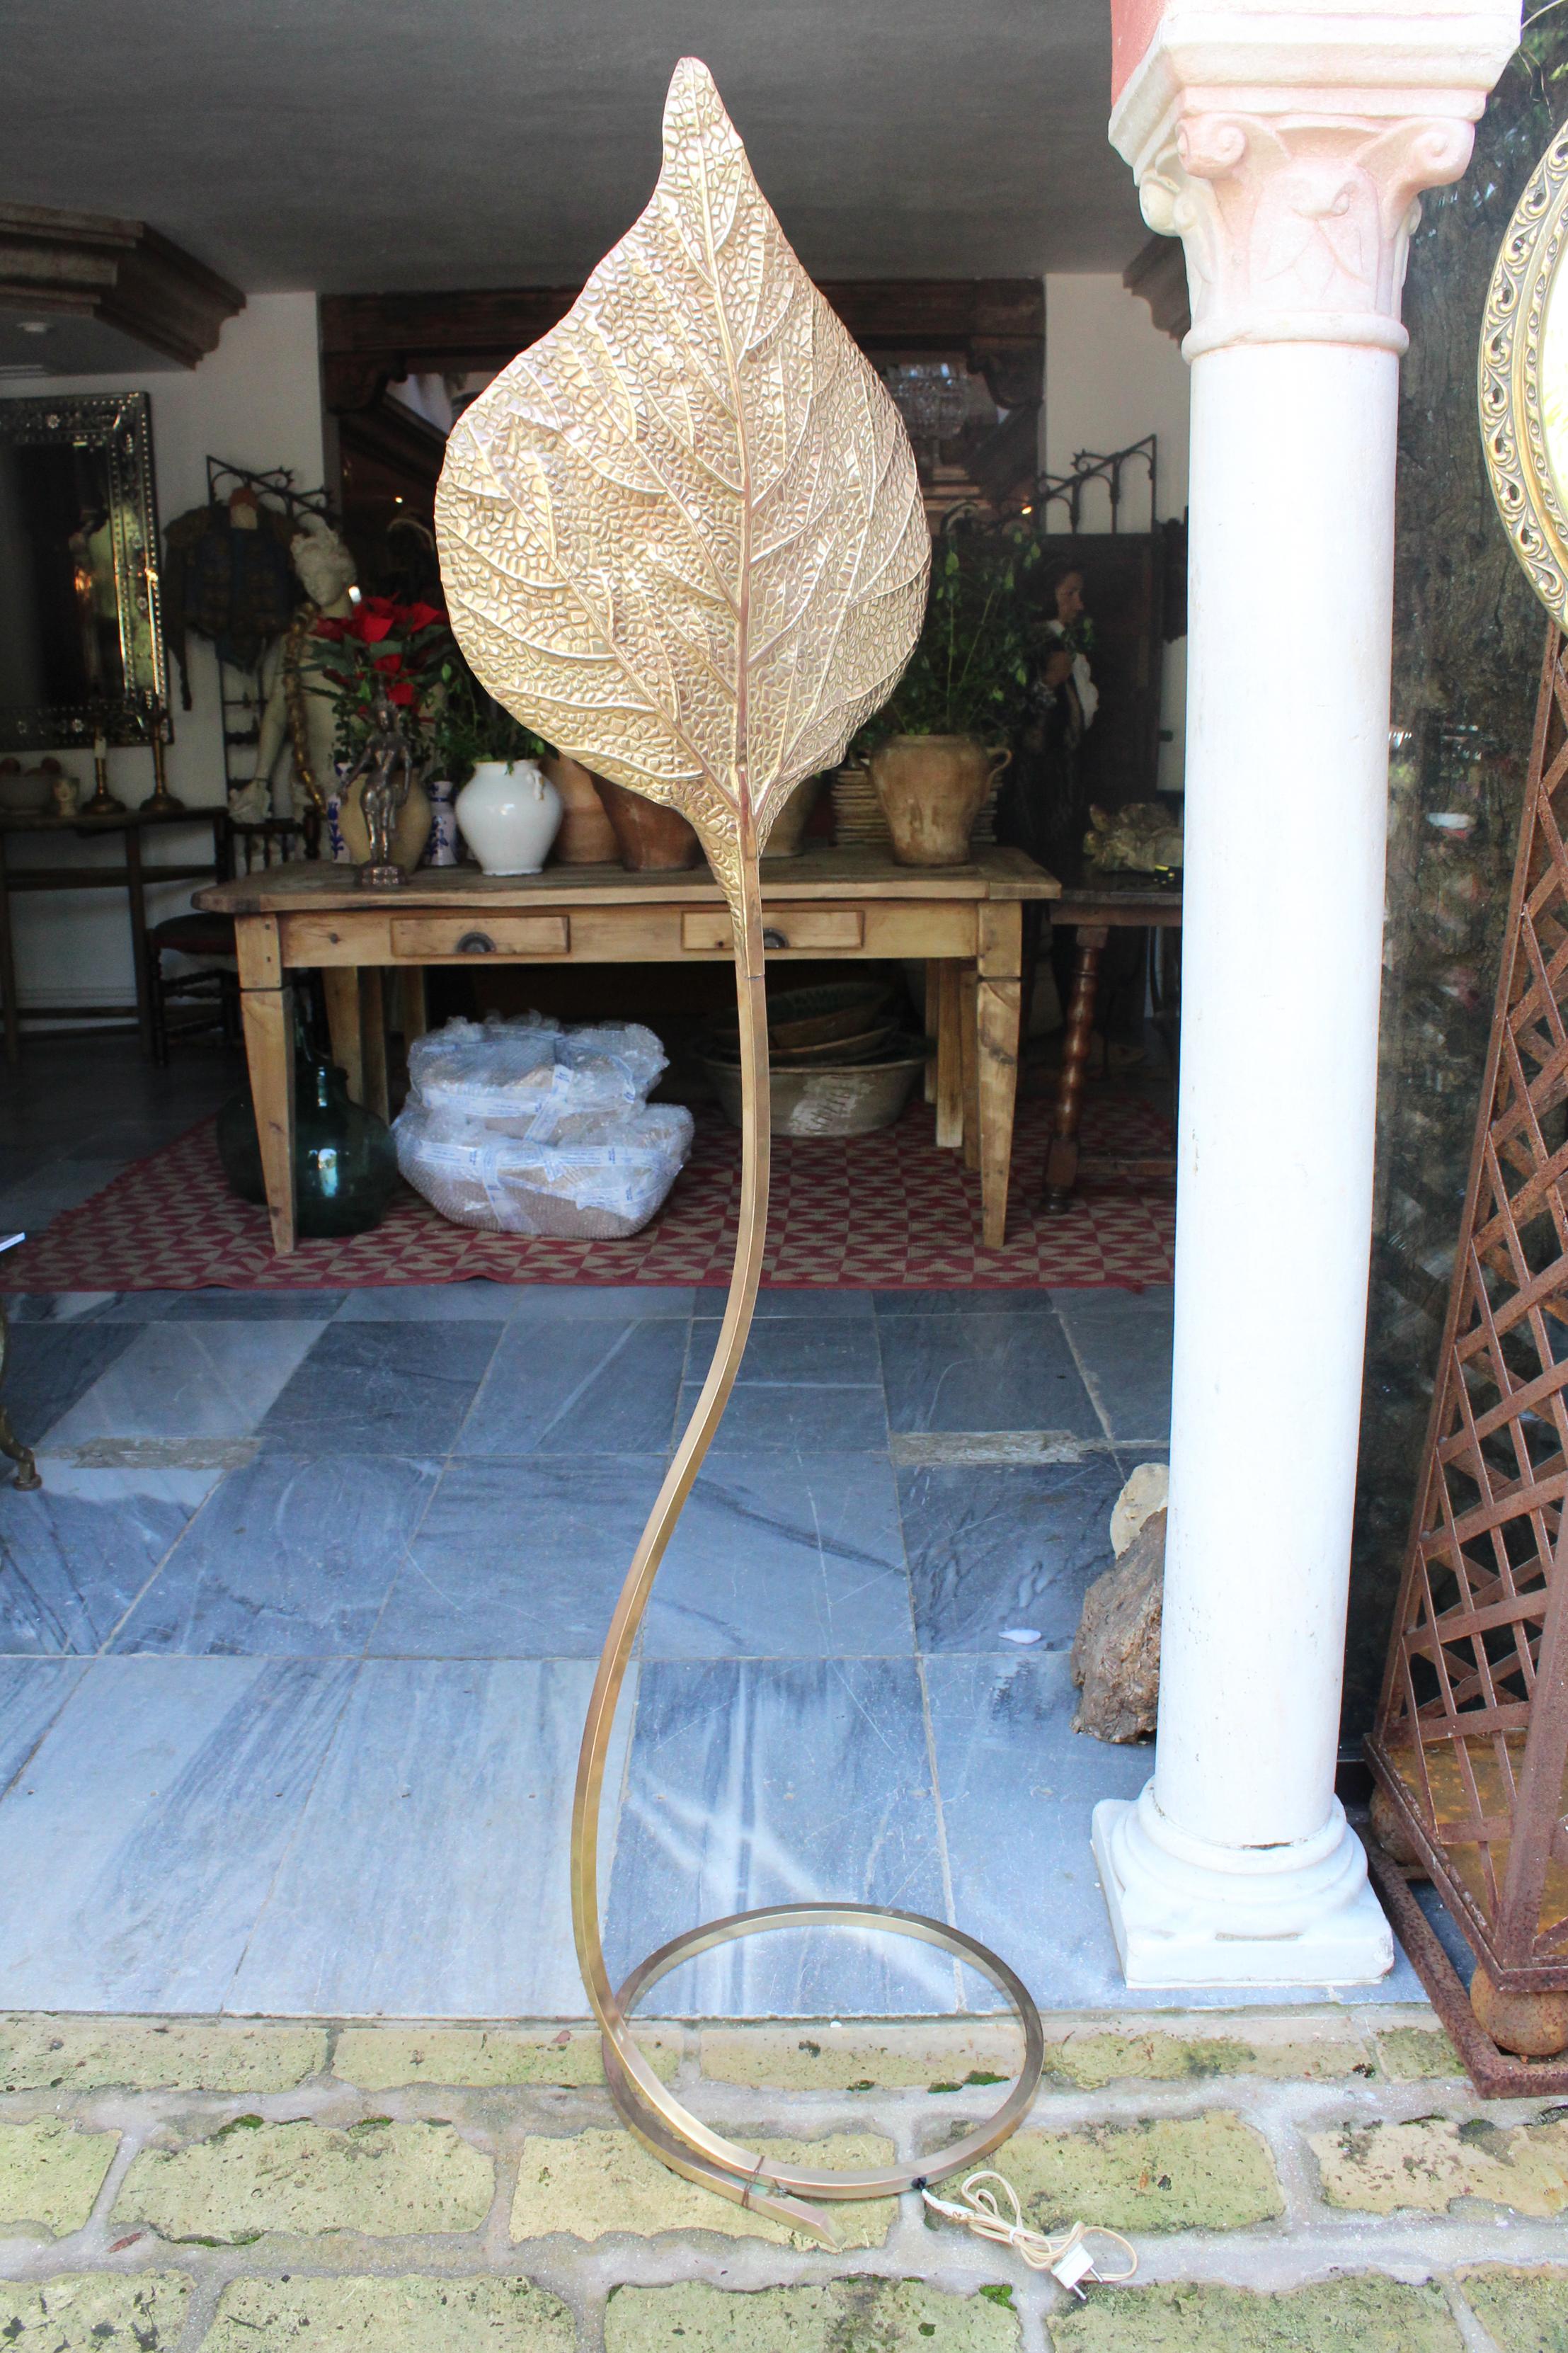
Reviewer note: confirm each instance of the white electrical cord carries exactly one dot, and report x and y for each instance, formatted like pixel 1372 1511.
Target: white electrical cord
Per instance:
pixel 1068 2259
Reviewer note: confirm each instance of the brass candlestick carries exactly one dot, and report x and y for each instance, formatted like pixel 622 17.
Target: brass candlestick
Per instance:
pixel 160 801
pixel 682 537
pixel 103 803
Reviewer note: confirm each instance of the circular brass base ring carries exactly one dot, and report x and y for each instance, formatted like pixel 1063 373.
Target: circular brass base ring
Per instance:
pixel 661 2125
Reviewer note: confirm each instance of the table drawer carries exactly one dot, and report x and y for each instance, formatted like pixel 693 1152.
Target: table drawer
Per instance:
pixel 427 938
pixel 829 930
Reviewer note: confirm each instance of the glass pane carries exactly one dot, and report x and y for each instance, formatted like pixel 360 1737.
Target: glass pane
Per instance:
pixel 60 643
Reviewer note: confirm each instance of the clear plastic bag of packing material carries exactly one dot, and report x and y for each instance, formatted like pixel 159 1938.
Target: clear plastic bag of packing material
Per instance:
pixel 530 1078
pixel 522 1127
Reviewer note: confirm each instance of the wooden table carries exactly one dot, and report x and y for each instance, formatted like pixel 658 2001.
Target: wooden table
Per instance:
pixel 133 878
pixel 965 921
pixel 1096 910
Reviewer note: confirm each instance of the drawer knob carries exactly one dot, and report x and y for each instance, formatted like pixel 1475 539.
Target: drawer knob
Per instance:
pixel 771 939
pixel 476 944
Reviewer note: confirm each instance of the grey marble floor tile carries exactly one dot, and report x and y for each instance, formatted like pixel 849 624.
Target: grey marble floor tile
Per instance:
pixel 755 1783
pixel 429 1875
pixel 802 1419
pixel 984 1372
pixel 1018 1789
pixel 57 1186
pixel 216 1305
pixel 1020 1301
pixel 571 1302
pixel 148 1826
pixel 775 1558
pixel 293 1556
pixel 50 1366
pixel 32 1694
pixel 997 1545
pixel 793 1301
pixel 1124 1342
pixel 381 1389
pixel 74 1554
pixel 557 1385
pixel 187 1380
pixel 795 1348
pixel 59 1306
pixel 521 1558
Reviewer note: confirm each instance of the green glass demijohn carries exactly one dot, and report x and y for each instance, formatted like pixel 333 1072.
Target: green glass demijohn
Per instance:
pixel 345 1168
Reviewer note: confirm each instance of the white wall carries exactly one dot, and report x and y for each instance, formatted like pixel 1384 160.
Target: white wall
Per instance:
pixel 256 401
pixel 1112 377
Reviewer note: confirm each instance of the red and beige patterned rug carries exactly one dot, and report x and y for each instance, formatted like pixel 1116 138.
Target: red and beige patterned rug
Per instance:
pixel 871 1212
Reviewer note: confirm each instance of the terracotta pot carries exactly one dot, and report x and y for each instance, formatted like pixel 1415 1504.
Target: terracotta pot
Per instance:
pixel 653 841
pixel 586 837
pixel 931 788
pixel 409 835
pixel 789 826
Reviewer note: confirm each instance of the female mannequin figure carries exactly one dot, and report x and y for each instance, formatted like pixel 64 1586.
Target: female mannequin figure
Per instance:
pixel 1044 807
pixel 299 707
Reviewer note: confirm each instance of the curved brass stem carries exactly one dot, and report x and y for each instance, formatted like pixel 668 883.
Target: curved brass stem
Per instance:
pixel 650 2108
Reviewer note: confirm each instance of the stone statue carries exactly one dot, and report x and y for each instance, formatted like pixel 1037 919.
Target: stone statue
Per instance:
pixel 300 710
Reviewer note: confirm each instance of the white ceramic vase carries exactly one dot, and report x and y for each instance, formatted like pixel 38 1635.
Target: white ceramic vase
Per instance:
pixel 509 813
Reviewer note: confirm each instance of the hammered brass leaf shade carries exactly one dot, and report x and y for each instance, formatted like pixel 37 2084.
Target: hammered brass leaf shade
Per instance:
pixel 683 536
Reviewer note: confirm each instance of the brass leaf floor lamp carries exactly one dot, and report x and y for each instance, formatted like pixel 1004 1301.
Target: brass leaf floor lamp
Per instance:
pixel 682 537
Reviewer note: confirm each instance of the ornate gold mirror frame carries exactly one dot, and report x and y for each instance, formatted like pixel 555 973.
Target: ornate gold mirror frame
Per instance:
pixel 1524 381
pixel 682 537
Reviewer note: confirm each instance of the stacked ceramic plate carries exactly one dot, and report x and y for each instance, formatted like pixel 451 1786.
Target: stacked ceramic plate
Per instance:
pixel 857 818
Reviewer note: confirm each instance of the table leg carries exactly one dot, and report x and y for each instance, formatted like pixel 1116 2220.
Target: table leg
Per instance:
pixel 8 966
pixel 136 895
pixel 372 1038
pixel 414 1011
pixel 1061 1162
pixel 948 1057
pixel 934 1018
pixel 269 1018
pixel 340 987
pixel 969 1049
pixel 998 1010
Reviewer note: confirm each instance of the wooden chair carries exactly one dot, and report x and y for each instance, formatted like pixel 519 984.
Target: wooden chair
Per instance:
pixel 209 939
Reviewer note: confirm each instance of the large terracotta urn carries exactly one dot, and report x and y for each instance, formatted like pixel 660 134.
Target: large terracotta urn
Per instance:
pixel 653 839
pixel 586 837
pixel 788 835
pixel 931 788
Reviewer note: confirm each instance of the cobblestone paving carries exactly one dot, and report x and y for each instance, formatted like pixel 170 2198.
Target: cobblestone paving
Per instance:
pixel 1323 2179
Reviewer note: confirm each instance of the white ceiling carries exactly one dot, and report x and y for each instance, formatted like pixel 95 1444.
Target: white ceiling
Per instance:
pixel 349 145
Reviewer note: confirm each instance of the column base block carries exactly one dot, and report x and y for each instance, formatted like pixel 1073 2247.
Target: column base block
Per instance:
pixel 1187 1912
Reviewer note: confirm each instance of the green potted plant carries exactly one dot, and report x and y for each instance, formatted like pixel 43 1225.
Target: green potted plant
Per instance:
pixel 937 748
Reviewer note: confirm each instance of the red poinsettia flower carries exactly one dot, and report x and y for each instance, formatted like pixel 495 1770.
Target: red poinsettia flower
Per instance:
pixel 371 627
pixel 422 617
pixel 402 694
pixel 333 631
pixel 382 607
pixel 390 665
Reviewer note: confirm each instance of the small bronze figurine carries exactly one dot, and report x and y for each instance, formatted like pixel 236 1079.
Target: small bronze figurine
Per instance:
pixel 386 764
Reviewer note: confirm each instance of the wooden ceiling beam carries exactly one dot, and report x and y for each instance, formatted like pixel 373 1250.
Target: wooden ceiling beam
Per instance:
pixel 121 272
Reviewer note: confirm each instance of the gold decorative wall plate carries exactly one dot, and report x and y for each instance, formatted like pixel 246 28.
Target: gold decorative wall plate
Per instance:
pixel 1524 381
pixel 682 537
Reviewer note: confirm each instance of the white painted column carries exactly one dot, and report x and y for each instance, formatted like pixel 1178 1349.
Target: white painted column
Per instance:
pixel 1288 152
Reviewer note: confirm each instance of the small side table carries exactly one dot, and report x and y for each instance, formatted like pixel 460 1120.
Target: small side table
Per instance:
pixel 1095 910
pixel 22 1456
